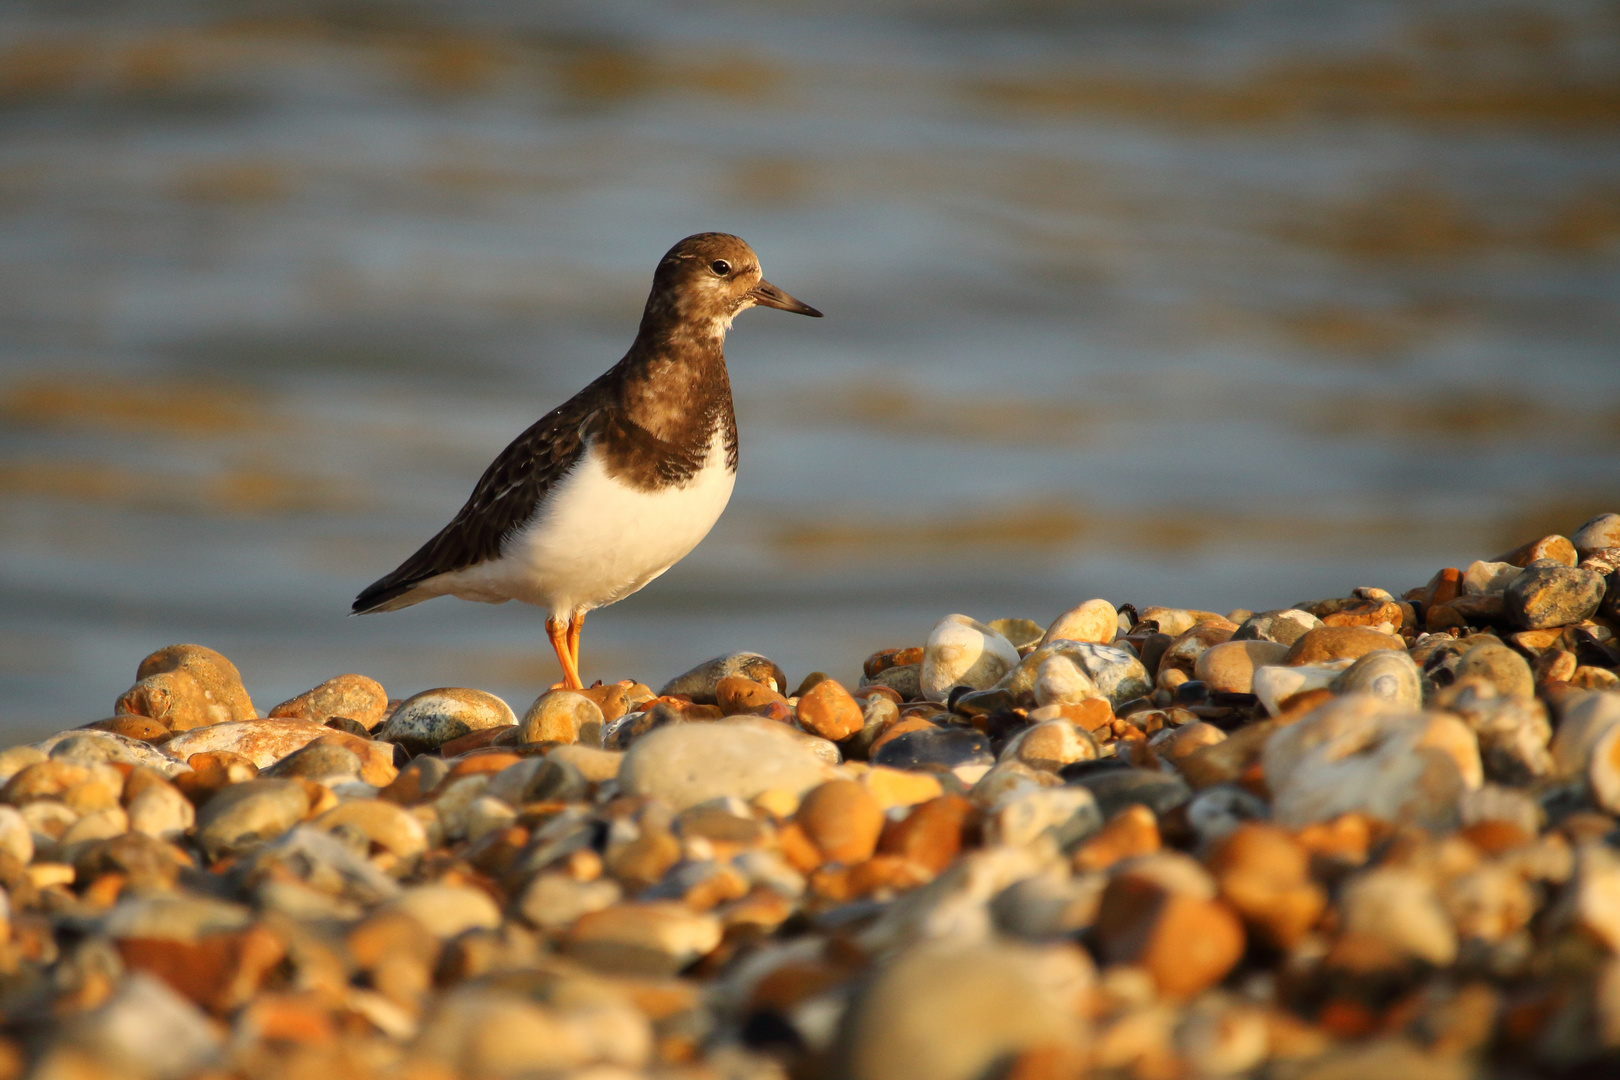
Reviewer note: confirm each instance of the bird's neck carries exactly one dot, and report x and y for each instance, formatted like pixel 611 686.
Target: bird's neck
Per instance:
pixel 674 378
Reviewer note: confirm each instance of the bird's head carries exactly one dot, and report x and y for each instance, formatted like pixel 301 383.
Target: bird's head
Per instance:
pixel 708 279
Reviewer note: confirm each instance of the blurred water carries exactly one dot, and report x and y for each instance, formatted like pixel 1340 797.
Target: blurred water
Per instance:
pixel 1193 301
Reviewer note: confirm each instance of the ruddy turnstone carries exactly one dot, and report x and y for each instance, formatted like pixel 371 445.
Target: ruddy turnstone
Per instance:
pixel 616 485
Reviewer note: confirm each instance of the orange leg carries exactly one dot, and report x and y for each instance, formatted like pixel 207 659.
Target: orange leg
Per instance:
pixel 575 625
pixel 558 632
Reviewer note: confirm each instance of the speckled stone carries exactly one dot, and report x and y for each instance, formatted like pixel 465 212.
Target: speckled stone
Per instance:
pixel 830 711
pixel 1546 594
pixel 700 683
pixel 432 718
pixel 217 675
pixel 1600 532
pixel 265 742
pixel 360 699
pixel 1115 671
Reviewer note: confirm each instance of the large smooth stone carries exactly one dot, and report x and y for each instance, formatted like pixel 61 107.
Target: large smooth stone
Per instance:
pixel 1274 684
pixel 1229 667
pixel 1329 643
pixel 1359 753
pixel 1484 578
pixel 432 718
pixel 1061 681
pixel 1601 532
pixel 88 747
pixel 254 810
pixel 1116 672
pixel 1282 625
pixel 963 652
pixel 687 764
pixel 265 742
pixel 361 699
pixel 1115 789
pixel 951 747
pixel 563 716
pixel 1546 594
pixel 953 1011
pixel 1095 620
pixel 700 683
pixel 1385 674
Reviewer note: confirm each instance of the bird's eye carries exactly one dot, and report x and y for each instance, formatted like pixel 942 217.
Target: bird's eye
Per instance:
pixel 721 267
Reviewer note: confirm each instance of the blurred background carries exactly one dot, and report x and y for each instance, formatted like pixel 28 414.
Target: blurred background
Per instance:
pixel 1194 302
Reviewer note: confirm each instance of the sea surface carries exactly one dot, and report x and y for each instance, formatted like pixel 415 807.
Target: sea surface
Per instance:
pixel 1193 302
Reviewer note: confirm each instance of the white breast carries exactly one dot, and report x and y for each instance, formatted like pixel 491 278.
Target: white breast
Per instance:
pixel 598 539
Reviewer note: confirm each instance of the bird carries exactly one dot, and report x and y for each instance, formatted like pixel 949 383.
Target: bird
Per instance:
pixel 620 482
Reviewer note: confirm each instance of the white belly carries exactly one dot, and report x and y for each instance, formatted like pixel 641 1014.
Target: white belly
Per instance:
pixel 599 540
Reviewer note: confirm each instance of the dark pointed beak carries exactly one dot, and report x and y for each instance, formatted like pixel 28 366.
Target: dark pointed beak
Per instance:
pixel 768 295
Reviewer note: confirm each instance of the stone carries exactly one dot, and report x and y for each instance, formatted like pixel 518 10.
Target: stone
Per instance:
pixel 830 711
pixel 963 751
pixel 92 747
pixel 1177 621
pixel 897 788
pixel 1220 809
pixel 1399 907
pixel 1051 745
pixel 140 728
pixel 265 742
pixel 1277 686
pixel 16 838
pixel 248 812
pixel 432 718
pixel 931 834
pixel 1483 578
pixel 737 696
pixel 384 824
pixel 218 676
pixel 1229 667
pixel 1546 594
pixel 1554 547
pixel 1489 903
pixel 1329 643
pixel 1066 815
pixel 842 819
pixel 1385 674
pixel 448 910
pixel 1094 621
pixel 160 811
pixel 1061 681
pixel 1115 789
pixel 50 779
pixel 884 659
pixel 594 765
pixel 1283 626
pixel 823 749
pixel 1049 906
pixel 700 683
pixel 1265 875
pixel 1360 754
pixel 955 1011
pixel 1131 833
pixel 961 651
pixel 1182 654
pixel 1023 633
pixel 653 938
pixel 563 716
pixel 1584 722
pixel 1186 943
pixel 904 679
pixel 687 764
pixel 356 697
pixel 17 758
pixel 552 901
pixel 1597 534
pixel 1173 744
pixel 1116 672
pixel 321 761
pixel 1500 666
pixel 143 1029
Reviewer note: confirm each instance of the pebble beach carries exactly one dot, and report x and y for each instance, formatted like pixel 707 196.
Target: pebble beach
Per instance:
pixel 1368 835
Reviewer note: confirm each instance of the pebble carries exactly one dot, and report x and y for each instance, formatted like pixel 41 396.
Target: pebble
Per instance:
pixel 1116 672
pixel 563 716
pixel 700 683
pixel 446 911
pixel 842 819
pixel 1115 789
pixel 1338 643
pixel 1597 534
pixel 1060 681
pixel 1283 625
pixel 1184 942
pixel 830 711
pixel 1399 907
pixel 1483 578
pixel 1094 620
pixel 948 1011
pixel 356 697
pixel 111 748
pixel 1507 672
pixel 432 718
pixel 253 810
pixel 687 764
pixel 654 938
pixel 1265 875
pixel 1181 655
pixel 961 651
pixel 1229 667
pixel 1051 745
pixel 1547 594
pixel 1276 685
pixel 959 750
pixel 1387 674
